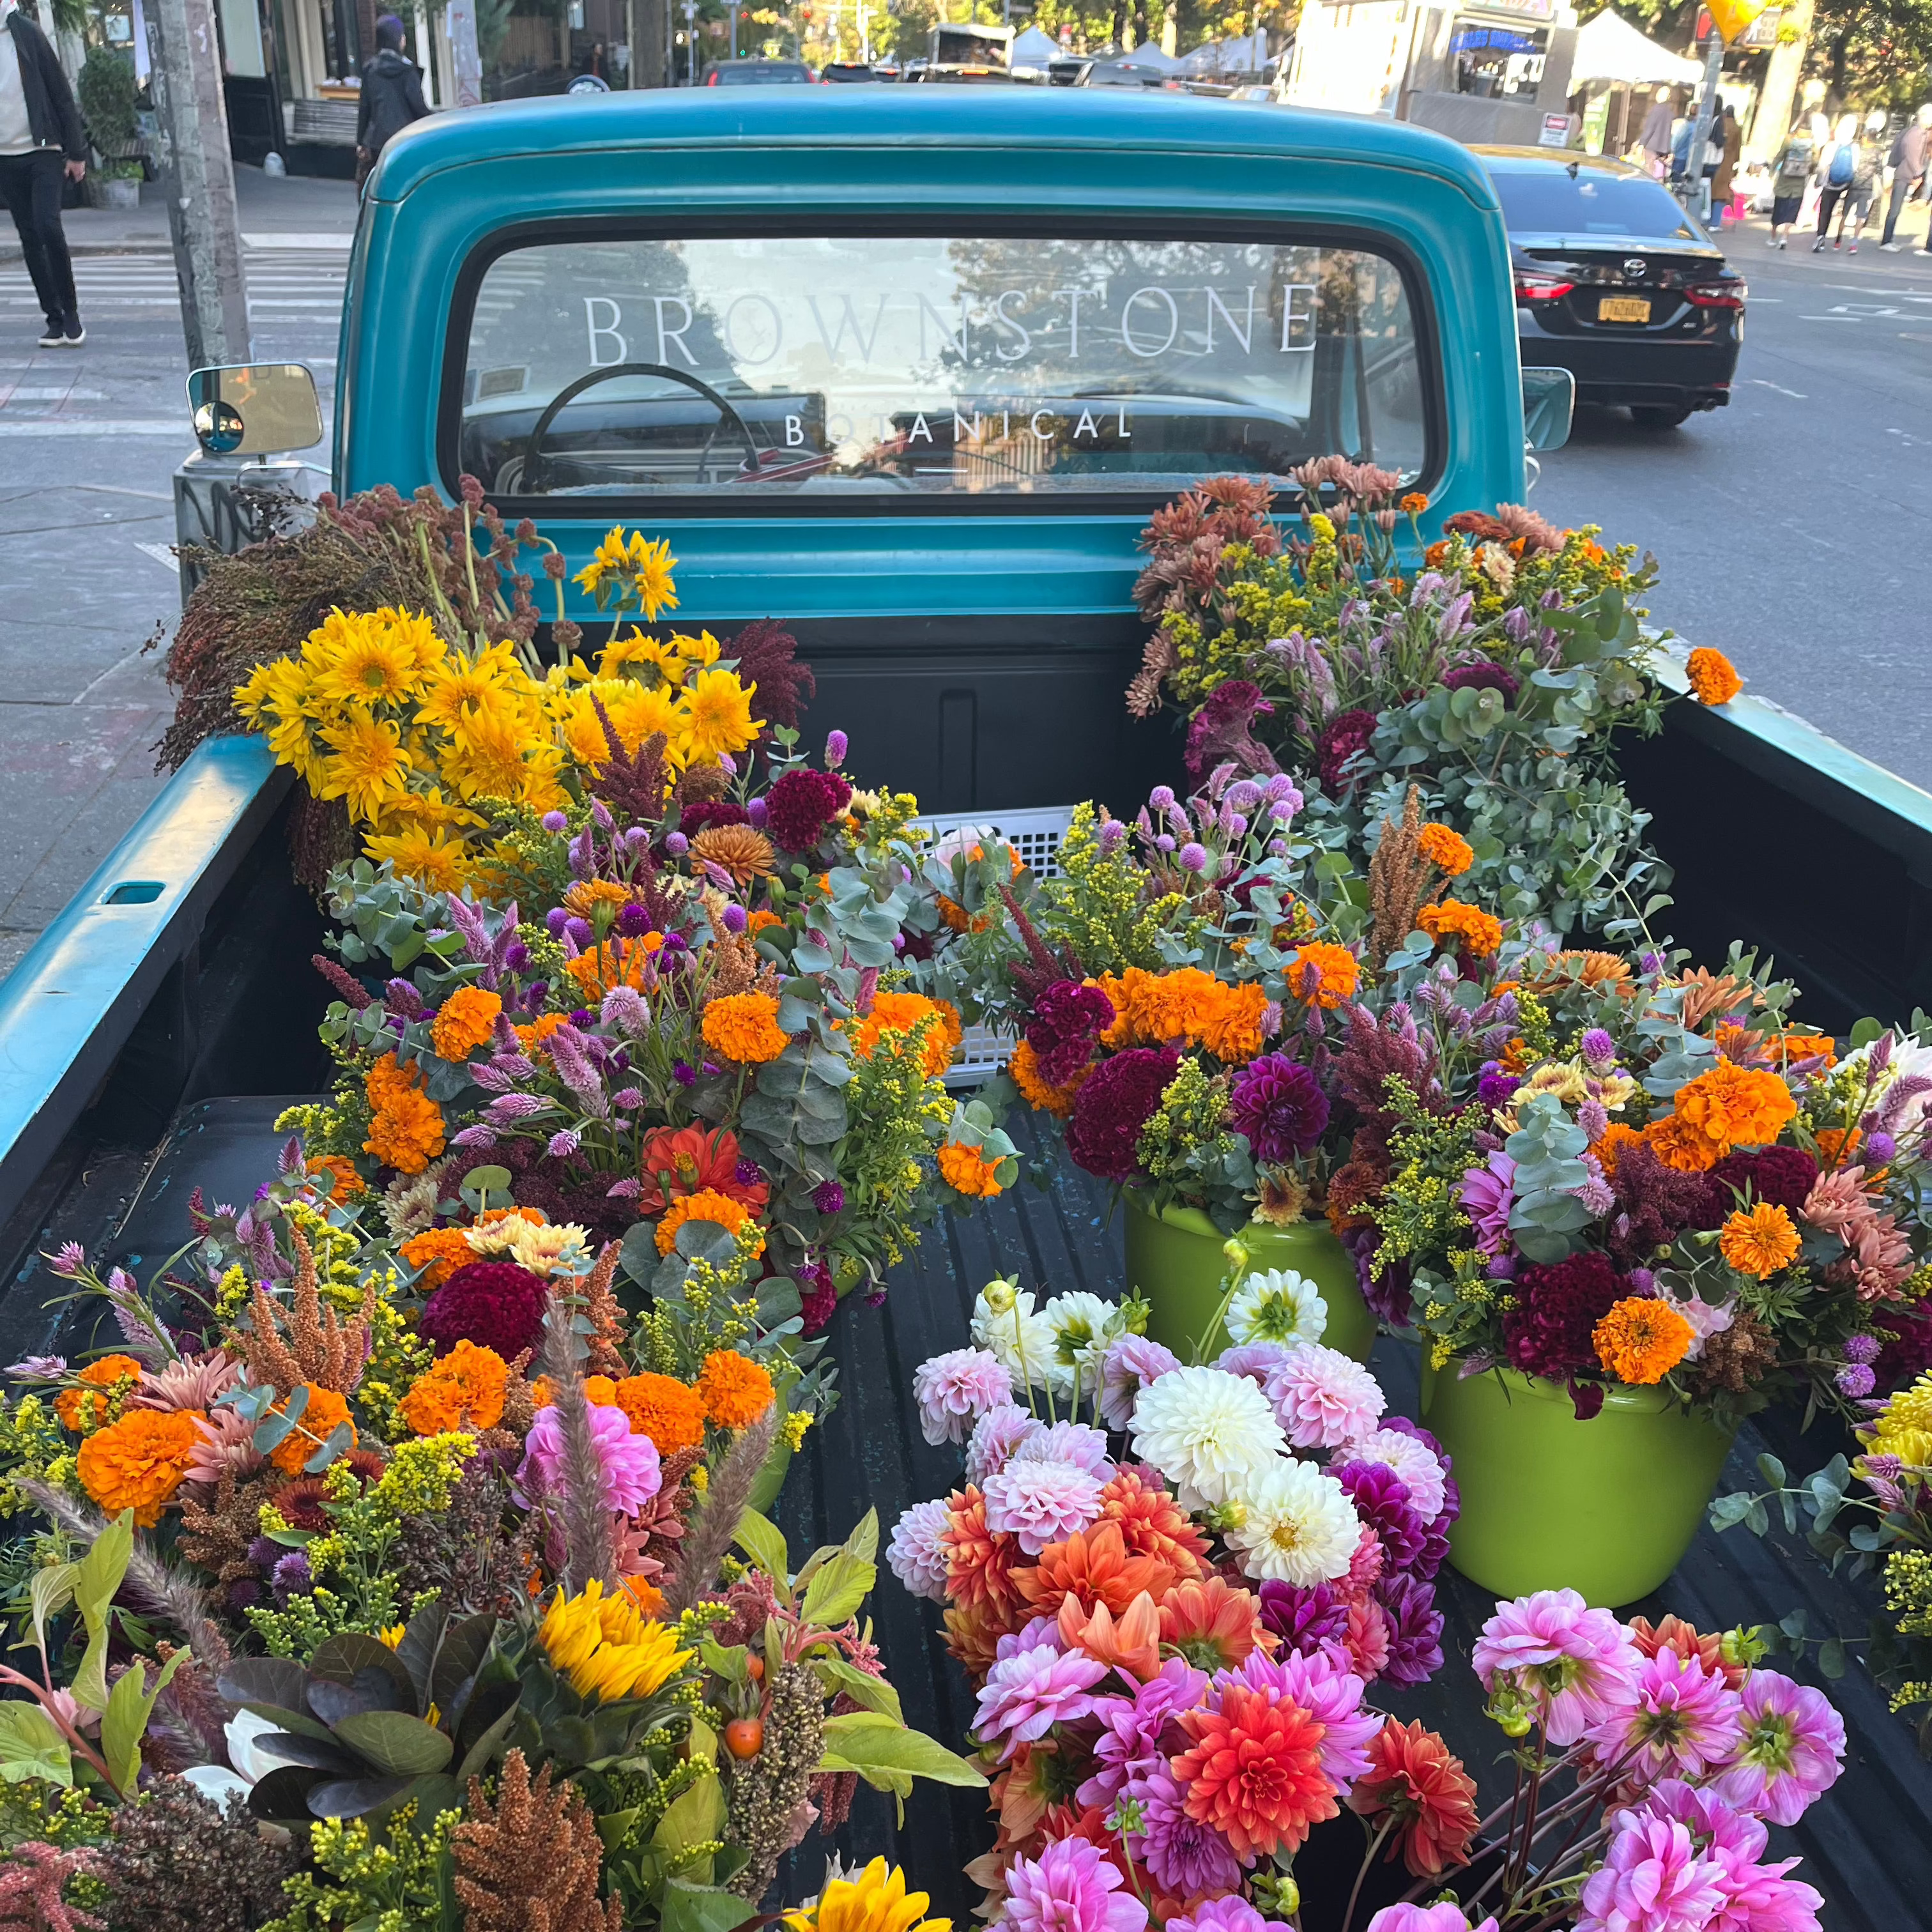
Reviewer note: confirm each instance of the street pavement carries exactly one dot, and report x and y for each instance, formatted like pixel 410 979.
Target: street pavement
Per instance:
pixel 1793 528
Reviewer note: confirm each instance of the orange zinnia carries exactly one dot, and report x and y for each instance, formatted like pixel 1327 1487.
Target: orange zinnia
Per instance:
pixel 1092 1566
pixel 1230 1030
pixel 334 1177
pixel 1713 678
pixel 1760 1242
pixel 1737 1106
pixel 1642 1340
pixel 901 1013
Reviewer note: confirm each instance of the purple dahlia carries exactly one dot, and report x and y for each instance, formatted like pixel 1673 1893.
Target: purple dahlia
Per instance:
pixel 1280 1106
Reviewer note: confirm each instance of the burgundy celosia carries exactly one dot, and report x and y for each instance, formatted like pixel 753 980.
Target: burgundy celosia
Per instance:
pixel 1783 1176
pixel 1280 1106
pixel 802 804
pixel 1344 734
pixel 1222 731
pixel 494 1304
pixel 1550 1331
pixel 1112 1107
pixel 1064 1033
pixel 1479 677
pixel 1654 1204
pixel 693 819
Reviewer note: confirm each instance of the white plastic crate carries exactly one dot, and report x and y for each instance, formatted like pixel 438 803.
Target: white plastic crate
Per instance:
pixel 1034 833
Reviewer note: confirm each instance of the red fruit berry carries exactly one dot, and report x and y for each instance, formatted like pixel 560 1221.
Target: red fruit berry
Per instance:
pixel 745 1737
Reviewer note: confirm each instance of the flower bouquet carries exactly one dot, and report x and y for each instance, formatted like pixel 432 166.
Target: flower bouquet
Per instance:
pixel 1174 1654
pixel 1490 667
pixel 442 1585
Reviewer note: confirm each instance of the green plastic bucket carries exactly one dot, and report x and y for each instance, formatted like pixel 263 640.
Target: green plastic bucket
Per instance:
pixel 1175 1265
pixel 1606 1508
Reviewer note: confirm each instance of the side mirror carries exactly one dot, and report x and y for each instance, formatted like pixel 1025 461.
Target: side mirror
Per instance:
pixel 261 409
pixel 1549 402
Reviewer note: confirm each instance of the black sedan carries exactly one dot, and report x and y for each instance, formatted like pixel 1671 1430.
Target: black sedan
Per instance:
pixel 1616 282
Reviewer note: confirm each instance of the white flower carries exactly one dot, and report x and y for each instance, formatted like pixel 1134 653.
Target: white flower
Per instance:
pixel 1706 1319
pixel 1206 1431
pixel 1279 1305
pixel 1298 1525
pixel 1083 1325
pixel 1022 1339
pixel 243 1732
pixel 1415 1463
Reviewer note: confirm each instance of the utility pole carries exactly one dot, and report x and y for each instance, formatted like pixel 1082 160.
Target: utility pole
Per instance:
pixel 465 57
pixel 198 176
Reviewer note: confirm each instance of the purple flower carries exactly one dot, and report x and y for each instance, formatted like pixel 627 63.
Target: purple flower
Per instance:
pixel 1863 1349
pixel 1758 1897
pixel 1186 1859
pixel 1856 1379
pixel 562 1145
pixel 1029 1691
pixel 631 1476
pixel 1682 1722
pixel 1071 1887
pixel 68 1259
pixel 1415 1629
pixel 1381 1500
pixel 1280 1106
pixel 1305 1618
pixel 1138 1732
pixel 1231 1914
pixel 996 1437
pixel 683 1073
pixel 913 1555
pixel 828 1197
pixel 1487 1194
pixel 37 1369
pixel 554 821
pixel 836 745
pixel 1793 1749
pixel 1653 1880
pixel 632 919
pixel 1599 1049
pixel 953 1390
pixel 1131 1362
pixel 1494 1087
pixel 291 1576
pixel 1041 1502
pixel 1573 1666
pixel 1479 677
pixel 1443 1918
pixel 1193 857
pixel 1344 736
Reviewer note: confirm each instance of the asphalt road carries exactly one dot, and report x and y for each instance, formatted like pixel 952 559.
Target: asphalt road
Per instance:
pixel 1794 528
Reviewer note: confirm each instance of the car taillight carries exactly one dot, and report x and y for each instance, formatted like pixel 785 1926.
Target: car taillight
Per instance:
pixel 1540 288
pixel 1718 295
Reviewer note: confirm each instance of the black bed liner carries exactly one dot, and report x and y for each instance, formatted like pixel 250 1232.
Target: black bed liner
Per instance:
pixel 1868 1846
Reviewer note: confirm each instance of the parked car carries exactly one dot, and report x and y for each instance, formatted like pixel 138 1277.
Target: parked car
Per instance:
pixel 758 73
pixel 834 72
pixel 1618 283
pixel 1125 73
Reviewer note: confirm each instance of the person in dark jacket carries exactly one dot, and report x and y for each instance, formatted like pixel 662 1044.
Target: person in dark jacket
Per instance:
pixel 41 136
pixel 392 95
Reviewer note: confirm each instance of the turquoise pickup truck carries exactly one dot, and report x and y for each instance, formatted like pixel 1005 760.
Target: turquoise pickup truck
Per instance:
pixel 910 369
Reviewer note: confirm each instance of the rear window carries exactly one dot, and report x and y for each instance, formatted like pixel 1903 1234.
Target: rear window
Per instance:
pixel 889 366
pixel 1547 201
pixel 777 73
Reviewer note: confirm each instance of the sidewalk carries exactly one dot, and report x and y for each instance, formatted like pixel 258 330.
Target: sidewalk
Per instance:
pixel 295 211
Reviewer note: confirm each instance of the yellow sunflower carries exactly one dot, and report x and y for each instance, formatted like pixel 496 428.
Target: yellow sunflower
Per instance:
pixel 700 650
pixel 424 853
pixel 275 700
pixel 367 659
pixel 718 713
pixel 502 752
pixel 369 766
pixel 640 648
pixel 607 560
pixel 461 684
pixel 650 564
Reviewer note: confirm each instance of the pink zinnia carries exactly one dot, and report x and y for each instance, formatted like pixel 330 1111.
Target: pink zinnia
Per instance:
pixel 1683 1721
pixel 953 1390
pixel 1028 1691
pixel 1332 1695
pixel 1793 1749
pixel 1186 1857
pixel 1572 1665
pixel 1322 1398
pixel 995 1436
pixel 1131 1362
pixel 913 1555
pixel 1652 1881
pixel 1071 1887
pixel 1041 1503
pixel 631 1477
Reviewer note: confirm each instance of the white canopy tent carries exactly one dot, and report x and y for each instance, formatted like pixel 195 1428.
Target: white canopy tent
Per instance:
pixel 1610 51
pixel 1150 54
pixel 1034 49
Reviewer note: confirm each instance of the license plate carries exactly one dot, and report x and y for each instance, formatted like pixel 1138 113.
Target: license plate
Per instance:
pixel 1623 308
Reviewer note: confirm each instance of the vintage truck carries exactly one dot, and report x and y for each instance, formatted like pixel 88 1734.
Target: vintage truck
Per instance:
pixel 910 369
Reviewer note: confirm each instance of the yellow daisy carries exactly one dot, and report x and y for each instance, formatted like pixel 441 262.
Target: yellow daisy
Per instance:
pixel 368 767
pixel 718 713
pixel 362 661
pixel 424 853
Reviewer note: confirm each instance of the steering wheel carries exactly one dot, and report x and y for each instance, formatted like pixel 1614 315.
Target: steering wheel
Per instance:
pixel 536 465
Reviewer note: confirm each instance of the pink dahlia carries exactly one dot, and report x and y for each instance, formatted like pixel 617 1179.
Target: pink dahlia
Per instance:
pixel 995 1437
pixel 1232 1914
pixel 1131 1362
pixel 913 1555
pixel 953 1390
pixel 1138 1732
pixel 1487 1194
pixel 1653 1880
pixel 1041 1503
pixel 1414 1462
pixel 1254 1360
pixel 1322 1398
pixel 1331 1693
pixel 1759 1897
pixel 1071 1887
pixel 1682 1721
pixel 1029 1690
pixel 1072 1442
pixel 1793 1749
pixel 1573 1666
pixel 1187 1859
pixel 1445 1917
pixel 631 1476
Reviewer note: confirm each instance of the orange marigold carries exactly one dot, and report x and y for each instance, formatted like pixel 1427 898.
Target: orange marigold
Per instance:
pixel 671 1413
pixel 1618 1135
pixel 82 1409
pixel 334 1177
pixel 901 1013
pixel 1058 1101
pixel 1837 1145
pixel 760 920
pixel 1642 1338
pixel 1335 971
pixel 1413 504
pixel 532 1037
pixel 466 1020
pixel 951 914
pixel 1737 1106
pixel 406 1126
pixel 744 1027
pixel 706 1204
pixel 1784 1048
pixel 1713 678
pixel 139 1461
pixel 1683 1144
pixel 968 1171
pixel 1480 932
pixel 1231 1029
pixel 1760 1242
pixel 1446 849
pixel 736 1390
pixel 463 1390
pixel 325 1411
pixel 613 961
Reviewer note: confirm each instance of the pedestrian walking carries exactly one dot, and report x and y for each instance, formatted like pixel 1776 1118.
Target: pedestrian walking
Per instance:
pixel 1655 140
pixel 1907 162
pixel 1788 181
pixel 1727 138
pixel 1838 171
pixel 1864 180
pixel 41 138
pixel 392 95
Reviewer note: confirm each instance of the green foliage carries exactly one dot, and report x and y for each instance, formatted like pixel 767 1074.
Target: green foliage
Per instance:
pixel 1547 1147
pixel 107 93
pixel 387 1877
pixel 1097 908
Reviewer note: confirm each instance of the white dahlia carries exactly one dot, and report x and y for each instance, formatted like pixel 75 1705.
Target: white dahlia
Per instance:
pixel 1298 1525
pixel 1019 1335
pixel 1207 1431
pixel 1279 1306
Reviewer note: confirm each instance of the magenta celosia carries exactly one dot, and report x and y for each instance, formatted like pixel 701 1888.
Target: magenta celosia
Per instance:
pixel 496 1305
pixel 1064 1032
pixel 953 1390
pixel 1041 1502
pixel 1071 1887
pixel 1344 734
pixel 1029 1690
pixel 1571 1666
pixel 1112 1107
pixel 1280 1106
pixel 1793 1749
pixel 1323 1398
pixel 631 1475
pixel 1551 1331
pixel 1680 1720
pixel 1783 1176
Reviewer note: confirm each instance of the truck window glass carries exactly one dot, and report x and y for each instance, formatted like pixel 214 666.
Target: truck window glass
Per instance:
pixel 754 367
